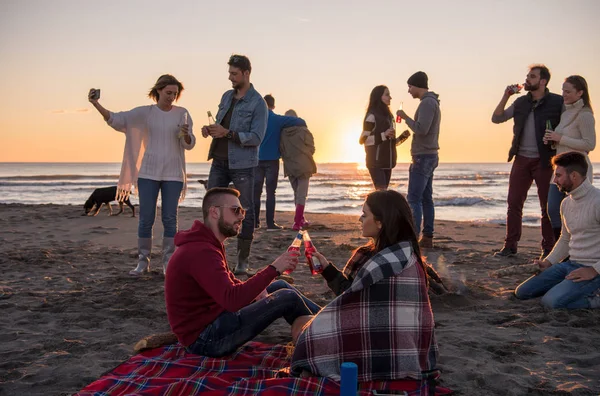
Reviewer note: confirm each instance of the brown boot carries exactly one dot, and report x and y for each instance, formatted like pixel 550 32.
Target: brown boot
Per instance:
pixel 426 242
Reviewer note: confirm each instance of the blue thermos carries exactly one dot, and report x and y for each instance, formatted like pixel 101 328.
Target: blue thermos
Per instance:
pixel 349 382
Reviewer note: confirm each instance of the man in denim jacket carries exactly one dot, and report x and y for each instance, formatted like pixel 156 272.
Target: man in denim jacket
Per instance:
pixel 239 130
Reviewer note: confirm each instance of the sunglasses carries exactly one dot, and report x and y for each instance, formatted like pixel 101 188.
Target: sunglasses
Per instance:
pixel 237 210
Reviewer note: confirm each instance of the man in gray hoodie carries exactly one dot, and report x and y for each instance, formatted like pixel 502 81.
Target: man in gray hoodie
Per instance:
pixel 424 151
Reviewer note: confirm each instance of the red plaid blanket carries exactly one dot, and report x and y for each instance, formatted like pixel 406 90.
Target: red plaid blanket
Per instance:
pixel 255 369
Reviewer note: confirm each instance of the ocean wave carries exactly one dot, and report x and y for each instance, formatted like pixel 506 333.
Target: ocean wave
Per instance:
pixel 490 221
pixel 465 201
pixel 477 177
pixel 34 184
pixel 476 183
pixel 10 180
pixel 312 200
pixel 329 183
pixel 336 209
pixel 57 177
pixel 527 220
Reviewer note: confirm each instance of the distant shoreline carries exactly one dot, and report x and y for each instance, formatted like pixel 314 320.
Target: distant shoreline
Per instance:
pixel 208 162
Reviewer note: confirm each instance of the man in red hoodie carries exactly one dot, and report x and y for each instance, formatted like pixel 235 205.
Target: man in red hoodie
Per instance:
pixel 211 311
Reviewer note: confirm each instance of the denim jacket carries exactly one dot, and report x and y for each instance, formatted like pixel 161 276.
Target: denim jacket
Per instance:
pixel 249 122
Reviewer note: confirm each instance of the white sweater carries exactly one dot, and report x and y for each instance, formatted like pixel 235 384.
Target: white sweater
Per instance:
pixel 164 157
pixel 580 235
pixel 578 130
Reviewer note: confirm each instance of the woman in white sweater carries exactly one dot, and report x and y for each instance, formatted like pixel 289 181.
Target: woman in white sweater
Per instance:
pixel 575 132
pixel 154 161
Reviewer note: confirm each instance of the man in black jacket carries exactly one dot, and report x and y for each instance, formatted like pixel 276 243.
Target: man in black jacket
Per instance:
pixel 531 113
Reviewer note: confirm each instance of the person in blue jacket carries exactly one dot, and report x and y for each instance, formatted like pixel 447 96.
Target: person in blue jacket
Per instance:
pixel 268 163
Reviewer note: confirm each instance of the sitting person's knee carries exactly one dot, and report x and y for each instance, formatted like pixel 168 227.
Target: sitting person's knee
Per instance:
pixel 551 302
pixel 285 295
pixel 521 294
pixel 279 284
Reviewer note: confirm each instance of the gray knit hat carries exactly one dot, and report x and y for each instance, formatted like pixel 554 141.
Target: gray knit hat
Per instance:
pixel 419 80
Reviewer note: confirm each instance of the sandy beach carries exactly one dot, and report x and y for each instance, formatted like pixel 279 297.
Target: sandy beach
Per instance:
pixel 71 312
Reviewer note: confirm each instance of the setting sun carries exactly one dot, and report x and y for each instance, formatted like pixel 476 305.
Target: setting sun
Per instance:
pixel 351 149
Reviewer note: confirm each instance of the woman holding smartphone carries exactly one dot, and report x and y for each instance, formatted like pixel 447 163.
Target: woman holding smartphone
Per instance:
pixel 575 132
pixel 153 161
pixel 378 137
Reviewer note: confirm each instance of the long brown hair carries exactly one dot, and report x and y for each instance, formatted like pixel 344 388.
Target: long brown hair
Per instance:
pixel 376 105
pixel 580 84
pixel 163 81
pixel 391 209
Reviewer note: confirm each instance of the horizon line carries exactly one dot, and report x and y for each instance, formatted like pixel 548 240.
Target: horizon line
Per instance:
pixel 209 162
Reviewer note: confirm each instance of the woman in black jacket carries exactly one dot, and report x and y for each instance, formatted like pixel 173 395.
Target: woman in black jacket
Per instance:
pixel 378 137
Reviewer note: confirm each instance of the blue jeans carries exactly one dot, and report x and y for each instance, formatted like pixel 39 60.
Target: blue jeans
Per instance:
pixel 243 179
pixel 555 198
pixel 148 194
pixel 268 170
pixel 381 178
pixel 420 191
pixel 559 292
pixel 233 329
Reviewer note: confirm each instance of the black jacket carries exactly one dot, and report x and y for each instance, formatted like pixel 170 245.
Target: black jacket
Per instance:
pixel 548 108
pixel 383 153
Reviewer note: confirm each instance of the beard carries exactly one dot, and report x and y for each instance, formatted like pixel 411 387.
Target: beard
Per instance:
pixel 225 229
pixel 529 87
pixel 565 188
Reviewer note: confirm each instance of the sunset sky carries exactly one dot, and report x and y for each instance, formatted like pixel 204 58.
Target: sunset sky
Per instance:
pixel 321 58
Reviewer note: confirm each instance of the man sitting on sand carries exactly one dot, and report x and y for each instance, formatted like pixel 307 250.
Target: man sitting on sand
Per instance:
pixel 573 283
pixel 211 312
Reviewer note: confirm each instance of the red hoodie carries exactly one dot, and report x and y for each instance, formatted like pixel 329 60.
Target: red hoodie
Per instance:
pixel 199 285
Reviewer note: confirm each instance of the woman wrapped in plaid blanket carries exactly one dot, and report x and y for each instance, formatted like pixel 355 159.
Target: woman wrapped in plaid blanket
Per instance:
pixel 382 318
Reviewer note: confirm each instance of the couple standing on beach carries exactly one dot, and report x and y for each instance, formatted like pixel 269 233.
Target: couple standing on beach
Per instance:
pixel 553 136
pixel 379 139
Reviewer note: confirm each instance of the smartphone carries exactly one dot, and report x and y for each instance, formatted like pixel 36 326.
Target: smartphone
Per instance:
pixel 95 93
pixel 402 138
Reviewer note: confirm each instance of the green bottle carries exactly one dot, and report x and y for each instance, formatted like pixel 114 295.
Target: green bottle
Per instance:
pixel 549 128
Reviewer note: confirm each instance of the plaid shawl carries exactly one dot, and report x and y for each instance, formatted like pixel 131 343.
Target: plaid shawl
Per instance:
pixel 358 259
pixel 383 323
pixel 254 369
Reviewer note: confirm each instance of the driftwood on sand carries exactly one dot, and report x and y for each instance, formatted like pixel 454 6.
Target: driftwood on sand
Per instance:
pixel 154 341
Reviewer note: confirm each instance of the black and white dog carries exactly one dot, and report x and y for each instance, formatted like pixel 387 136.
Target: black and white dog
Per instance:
pixel 104 196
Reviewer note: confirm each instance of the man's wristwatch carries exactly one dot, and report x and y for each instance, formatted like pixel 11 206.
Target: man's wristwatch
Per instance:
pixel 229 135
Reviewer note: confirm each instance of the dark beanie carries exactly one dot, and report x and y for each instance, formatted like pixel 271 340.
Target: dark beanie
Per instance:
pixel 419 80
